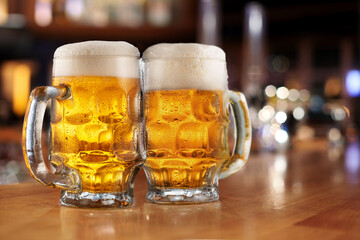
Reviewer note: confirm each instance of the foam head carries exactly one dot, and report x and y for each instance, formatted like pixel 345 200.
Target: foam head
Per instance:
pixel 185 66
pixel 97 58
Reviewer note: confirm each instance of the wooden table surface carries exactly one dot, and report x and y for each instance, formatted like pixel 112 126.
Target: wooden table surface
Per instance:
pixel 308 193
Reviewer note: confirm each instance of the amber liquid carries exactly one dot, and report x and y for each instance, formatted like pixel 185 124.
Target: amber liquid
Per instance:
pixel 186 138
pixel 95 131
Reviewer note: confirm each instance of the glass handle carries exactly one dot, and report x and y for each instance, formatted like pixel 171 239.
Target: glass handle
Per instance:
pixel 242 135
pixel 40 168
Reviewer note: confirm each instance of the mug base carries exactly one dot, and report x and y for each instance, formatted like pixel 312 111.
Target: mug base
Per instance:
pixel 183 196
pixel 95 200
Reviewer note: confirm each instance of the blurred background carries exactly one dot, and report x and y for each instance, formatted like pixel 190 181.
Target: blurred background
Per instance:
pixel 297 62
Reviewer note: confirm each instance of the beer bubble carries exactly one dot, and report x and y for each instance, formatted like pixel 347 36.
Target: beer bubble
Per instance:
pixel 192 135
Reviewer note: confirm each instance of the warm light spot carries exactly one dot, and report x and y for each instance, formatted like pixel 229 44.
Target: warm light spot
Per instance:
pixel 7 73
pixel 332 87
pixel 347 111
pixel 4 12
pixel 292 83
pixel 21 89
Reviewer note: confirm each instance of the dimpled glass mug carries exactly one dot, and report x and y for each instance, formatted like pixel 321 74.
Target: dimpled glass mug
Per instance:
pixel 96 135
pixel 187 120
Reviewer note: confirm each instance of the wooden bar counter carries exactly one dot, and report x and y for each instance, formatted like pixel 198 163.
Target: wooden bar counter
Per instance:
pixel 310 192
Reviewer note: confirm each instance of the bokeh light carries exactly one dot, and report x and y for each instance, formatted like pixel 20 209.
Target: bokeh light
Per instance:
pixel 281 136
pixel 4 11
pixel 266 113
pixel 43 12
pixel 316 103
pixel 270 91
pixel 255 19
pixel 352 158
pixel 282 92
pixel 338 114
pixel 294 95
pixel 353 83
pixel 334 135
pixel 281 117
pixel 332 87
pixel 74 9
pixel 304 95
pixel 299 113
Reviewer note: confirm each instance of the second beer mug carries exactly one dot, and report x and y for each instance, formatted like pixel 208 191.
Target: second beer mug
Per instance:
pixel 187 122
pixel 96 125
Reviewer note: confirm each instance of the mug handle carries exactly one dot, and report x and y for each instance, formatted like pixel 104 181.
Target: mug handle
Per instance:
pixel 242 135
pixel 62 176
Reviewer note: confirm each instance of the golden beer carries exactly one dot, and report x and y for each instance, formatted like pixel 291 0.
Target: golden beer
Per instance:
pixel 95 131
pixel 97 125
pixel 187 120
pixel 187 137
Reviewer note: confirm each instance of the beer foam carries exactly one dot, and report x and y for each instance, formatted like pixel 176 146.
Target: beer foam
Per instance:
pixel 97 58
pixel 185 66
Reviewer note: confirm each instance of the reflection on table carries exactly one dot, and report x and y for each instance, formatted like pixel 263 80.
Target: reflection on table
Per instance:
pixel 308 191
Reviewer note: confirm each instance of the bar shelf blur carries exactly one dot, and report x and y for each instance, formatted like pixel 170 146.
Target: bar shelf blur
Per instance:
pixel 61 28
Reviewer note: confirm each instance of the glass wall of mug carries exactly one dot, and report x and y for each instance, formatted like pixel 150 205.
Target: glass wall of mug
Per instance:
pixel 96 143
pixel 187 121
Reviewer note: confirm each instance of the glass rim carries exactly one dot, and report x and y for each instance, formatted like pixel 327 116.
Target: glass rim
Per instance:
pixel 96 56
pixel 182 58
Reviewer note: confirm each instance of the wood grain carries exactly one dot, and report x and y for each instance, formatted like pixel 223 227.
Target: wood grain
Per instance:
pixel 299 195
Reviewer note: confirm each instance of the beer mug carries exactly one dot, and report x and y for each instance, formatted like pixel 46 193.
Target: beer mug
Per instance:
pixel 187 123
pixel 96 139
